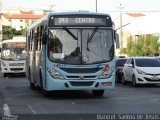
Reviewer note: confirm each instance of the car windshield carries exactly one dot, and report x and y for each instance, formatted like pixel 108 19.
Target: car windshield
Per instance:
pixel 146 62
pixel 13 51
pixel 121 62
pixel 80 46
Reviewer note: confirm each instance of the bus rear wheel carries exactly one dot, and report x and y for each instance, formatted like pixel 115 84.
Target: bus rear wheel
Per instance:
pixel 98 93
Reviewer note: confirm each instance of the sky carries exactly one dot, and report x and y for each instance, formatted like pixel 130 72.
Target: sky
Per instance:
pixel 103 6
pixel 71 5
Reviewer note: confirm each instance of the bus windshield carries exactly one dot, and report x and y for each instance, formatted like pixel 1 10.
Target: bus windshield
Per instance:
pixel 13 51
pixel 81 46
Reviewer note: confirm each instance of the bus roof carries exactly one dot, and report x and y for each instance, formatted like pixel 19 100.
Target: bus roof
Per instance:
pixel 15 39
pixel 45 18
pixel 77 13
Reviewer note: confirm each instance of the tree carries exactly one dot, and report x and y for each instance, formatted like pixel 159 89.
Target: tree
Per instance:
pixel 9 32
pixel 146 45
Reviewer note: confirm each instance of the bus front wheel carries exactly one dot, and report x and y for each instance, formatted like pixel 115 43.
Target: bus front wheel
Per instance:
pixel 44 92
pixel 32 85
pixel 4 74
pixel 98 93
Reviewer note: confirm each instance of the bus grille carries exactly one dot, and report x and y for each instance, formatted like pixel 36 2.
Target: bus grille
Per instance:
pixel 81 83
pixel 81 70
pixel 16 64
pixel 14 69
pixel 84 77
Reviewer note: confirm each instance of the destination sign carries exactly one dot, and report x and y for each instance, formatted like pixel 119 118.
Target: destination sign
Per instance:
pixel 79 21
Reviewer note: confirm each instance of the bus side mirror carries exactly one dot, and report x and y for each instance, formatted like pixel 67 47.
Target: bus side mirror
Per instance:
pixel 117 40
pixel 44 39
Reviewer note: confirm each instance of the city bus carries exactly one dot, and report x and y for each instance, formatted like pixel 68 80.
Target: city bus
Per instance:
pixel 13 56
pixel 72 51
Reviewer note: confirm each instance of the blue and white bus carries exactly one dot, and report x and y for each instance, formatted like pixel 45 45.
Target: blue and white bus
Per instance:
pixel 13 56
pixel 72 51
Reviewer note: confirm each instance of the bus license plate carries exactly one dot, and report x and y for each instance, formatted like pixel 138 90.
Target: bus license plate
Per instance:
pixel 106 83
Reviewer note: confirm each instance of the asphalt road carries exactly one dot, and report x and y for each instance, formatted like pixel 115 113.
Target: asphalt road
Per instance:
pixel 16 98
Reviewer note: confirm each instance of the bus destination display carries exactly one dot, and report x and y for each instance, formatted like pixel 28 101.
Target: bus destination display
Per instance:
pixel 76 21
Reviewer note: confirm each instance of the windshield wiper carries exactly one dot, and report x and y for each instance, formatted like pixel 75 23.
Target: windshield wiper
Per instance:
pixel 69 32
pixel 90 38
pixel 93 33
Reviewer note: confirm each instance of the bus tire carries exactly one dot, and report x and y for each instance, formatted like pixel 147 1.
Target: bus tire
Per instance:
pixel 98 93
pixel 32 85
pixel 44 92
pixel 4 74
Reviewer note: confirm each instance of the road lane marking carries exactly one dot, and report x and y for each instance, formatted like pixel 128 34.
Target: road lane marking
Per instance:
pixel 6 110
pixel 31 109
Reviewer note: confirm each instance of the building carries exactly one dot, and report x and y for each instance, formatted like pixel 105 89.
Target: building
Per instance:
pixel 20 19
pixel 136 24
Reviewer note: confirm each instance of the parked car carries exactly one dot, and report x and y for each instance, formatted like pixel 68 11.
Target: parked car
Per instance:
pixel 119 67
pixel 141 70
pixel 158 58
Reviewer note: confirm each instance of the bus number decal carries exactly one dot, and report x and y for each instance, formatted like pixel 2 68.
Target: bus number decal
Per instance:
pixel 6 52
pixel 63 20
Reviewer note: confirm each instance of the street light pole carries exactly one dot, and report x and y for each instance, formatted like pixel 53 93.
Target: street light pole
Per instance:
pixel 121 31
pixel 96 6
pixel 51 6
pixel 0 23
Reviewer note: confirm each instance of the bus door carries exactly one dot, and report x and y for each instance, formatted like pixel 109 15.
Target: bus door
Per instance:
pixel 34 60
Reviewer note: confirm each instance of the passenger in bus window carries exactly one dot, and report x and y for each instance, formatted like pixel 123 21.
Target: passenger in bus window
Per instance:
pixel 56 45
pixel 76 52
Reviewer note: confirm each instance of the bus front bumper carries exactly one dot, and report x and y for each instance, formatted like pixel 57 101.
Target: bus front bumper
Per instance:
pixel 98 84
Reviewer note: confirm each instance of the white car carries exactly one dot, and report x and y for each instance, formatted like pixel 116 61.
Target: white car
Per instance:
pixel 141 70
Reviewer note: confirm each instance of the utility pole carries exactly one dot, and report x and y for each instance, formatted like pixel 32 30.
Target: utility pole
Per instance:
pixel 121 31
pixel 96 6
pixel 50 7
pixel 0 23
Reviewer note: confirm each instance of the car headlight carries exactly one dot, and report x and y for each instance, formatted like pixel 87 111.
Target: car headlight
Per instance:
pixel 3 63
pixel 140 72
pixel 106 74
pixel 54 73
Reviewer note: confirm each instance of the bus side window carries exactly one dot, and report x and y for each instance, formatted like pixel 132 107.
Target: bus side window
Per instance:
pixel 41 37
pixel 38 38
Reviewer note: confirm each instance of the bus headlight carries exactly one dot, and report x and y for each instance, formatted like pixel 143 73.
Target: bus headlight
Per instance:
pixel 54 73
pixel 106 74
pixel 3 63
